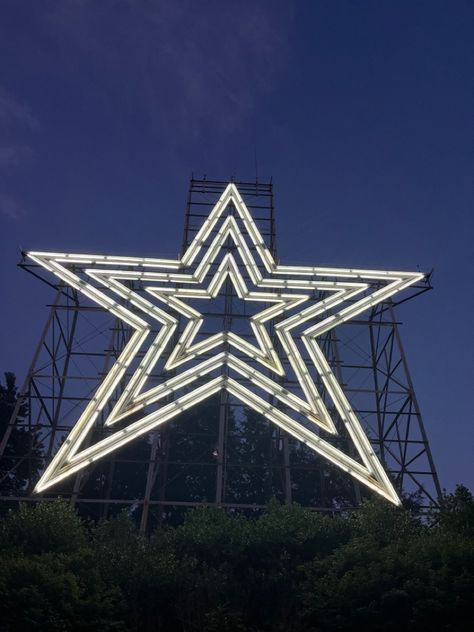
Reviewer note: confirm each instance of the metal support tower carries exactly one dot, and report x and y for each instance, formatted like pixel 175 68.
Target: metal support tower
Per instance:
pixel 220 454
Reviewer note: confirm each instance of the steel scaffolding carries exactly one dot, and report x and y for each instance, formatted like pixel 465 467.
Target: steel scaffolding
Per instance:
pixel 220 453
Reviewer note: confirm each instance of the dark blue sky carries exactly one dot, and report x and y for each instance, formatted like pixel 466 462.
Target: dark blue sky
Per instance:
pixel 361 112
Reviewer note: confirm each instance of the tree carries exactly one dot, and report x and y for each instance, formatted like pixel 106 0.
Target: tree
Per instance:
pixel 288 569
pixel 22 458
pixel 49 578
pixel 394 573
pixel 455 514
pixel 254 472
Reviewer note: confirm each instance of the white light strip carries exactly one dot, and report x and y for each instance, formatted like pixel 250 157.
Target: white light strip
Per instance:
pixel 347 415
pixel 137 429
pixel 273 388
pixel 297 287
pixel 64 257
pixel 264 353
pixel 172 385
pixel 311 440
pixel 88 290
pixel 343 272
pixel 369 301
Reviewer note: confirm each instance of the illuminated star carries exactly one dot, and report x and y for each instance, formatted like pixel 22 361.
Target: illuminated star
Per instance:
pixel 169 288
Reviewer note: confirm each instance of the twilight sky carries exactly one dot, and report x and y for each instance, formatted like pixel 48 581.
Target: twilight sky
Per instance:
pixel 361 112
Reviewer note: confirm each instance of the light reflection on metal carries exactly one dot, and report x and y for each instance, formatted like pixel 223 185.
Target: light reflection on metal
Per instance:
pixel 170 283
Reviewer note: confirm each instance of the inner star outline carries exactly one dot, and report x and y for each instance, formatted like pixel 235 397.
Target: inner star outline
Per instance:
pixel 287 287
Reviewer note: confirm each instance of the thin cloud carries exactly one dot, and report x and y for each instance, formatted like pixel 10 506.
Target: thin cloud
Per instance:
pixel 11 207
pixel 12 156
pixel 16 122
pixel 187 65
pixel 14 113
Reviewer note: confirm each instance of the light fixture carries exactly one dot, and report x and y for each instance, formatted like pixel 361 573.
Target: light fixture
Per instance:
pixel 169 286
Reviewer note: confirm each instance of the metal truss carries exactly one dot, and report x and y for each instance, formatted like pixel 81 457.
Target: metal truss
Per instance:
pixel 221 453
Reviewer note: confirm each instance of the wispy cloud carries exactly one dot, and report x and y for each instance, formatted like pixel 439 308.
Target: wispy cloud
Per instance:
pixel 11 207
pixel 16 124
pixel 14 113
pixel 12 156
pixel 190 65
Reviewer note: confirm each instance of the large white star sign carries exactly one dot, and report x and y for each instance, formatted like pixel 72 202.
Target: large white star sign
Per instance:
pixel 169 363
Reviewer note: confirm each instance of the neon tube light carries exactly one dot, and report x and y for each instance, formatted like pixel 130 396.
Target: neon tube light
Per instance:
pixel 169 286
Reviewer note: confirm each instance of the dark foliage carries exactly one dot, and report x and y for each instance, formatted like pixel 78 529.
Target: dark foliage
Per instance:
pixel 288 569
pixel 380 568
pixel 23 454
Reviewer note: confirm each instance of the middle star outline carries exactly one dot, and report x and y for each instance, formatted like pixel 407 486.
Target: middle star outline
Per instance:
pixel 134 398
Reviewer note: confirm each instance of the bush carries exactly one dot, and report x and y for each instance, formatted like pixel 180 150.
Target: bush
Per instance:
pixel 289 569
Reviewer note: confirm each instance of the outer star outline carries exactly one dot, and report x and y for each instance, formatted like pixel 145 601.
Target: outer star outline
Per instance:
pixel 278 279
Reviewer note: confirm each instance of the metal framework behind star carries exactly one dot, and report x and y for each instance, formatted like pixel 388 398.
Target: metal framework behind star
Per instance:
pixel 170 286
